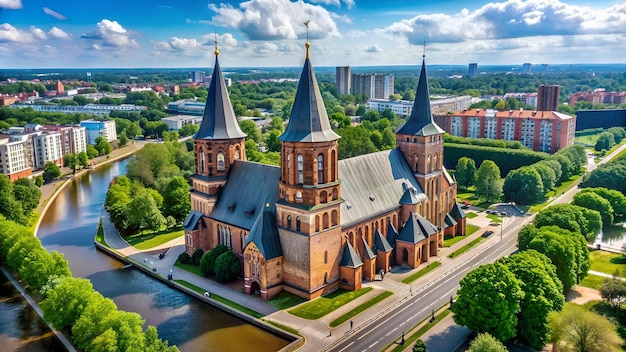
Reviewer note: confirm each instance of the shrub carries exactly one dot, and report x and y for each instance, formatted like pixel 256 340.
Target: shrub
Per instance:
pixel 184 258
pixel 207 262
pixel 195 257
pixel 226 267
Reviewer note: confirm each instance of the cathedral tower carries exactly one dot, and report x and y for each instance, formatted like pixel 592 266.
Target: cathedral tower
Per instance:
pixel 309 192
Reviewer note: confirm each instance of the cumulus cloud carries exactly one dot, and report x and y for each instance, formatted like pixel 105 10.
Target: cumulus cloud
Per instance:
pixel 9 33
pixel 38 33
pixel 58 33
pixel 110 34
pixel 510 19
pixel 54 14
pixel 355 34
pixel 373 49
pixel 275 19
pixel 11 4
pixel 349 3
pixel 344 18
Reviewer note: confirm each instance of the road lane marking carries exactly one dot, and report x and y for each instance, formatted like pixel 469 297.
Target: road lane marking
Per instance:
pixel 345 348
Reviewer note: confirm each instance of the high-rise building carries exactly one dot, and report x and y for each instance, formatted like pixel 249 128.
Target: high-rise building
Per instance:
pixel 197 76
pixel 60 88
pixel 526 67
pixel 96 128
pixel 548 98
pixel 375 86
pixel 472 71
pixel 343 80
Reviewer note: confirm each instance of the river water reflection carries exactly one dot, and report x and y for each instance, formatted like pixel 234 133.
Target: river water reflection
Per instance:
pixel 69 227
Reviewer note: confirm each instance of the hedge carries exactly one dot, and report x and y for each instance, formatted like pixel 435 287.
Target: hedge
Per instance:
pixel 506 159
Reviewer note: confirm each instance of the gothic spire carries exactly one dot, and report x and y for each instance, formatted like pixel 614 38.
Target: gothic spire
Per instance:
pixel 219 120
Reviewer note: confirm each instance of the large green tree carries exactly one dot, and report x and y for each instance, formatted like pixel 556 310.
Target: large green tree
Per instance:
pixel 227 267
pixel 488 300
pixel 142 213
pixel 613 290
pixel 606 141
pixel 616 198
pixel 89 324
pixel 547 174
pixel 27 194
pixel 486 343
pixel 70 160
pixel 207 262
pixel 595 202
pixel 488 182
pixel 523 185
pixel 465 171
pixel 176 201
pixel 102 146
pixel 65 303
pixel 51 171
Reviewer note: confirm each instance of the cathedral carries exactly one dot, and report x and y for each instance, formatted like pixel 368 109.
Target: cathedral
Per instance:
pixel 315 224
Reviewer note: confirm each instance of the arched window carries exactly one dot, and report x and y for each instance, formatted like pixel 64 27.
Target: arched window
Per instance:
pixel 289 222
pixel 237 153
pixel 220 161
pixel 428 161
pixel 320 168
pixel 333 218
pixel 317 223
pixel 300 169
pixel 202 162
pixel 289 168
pixel 298 223
pixel 325 221
pixel 298 196
pixel 325 257
pixel 333 164
pixel 417 159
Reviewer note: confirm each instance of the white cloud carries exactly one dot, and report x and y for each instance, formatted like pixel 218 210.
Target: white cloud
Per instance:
pixel 373 49
pixel 356 34
pixel 8 33
pixel 344 18
pixel 58 33
pixel 327 2
pixel 37 33
pixel 110 34
pixel 276 19
pixel 54 14
pixel 11 4
pixel 349 3
pixel 510 19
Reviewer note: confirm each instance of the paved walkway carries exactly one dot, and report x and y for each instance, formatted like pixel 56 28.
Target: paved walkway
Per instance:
pixel 316 332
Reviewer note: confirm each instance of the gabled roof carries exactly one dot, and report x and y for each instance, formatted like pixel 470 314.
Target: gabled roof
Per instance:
pixel 411 232
pixel 457 212
pixel 369 253
pixel 421 123
pixel 264 235
pixel 308 121
pixel 192 220
pixel 219 120
pixel 250 187
pixel 449 221
pixel 373 184
pixel 425 226
pixel 350 257
pixel 381 243
pixel 410 196
pixel 392 234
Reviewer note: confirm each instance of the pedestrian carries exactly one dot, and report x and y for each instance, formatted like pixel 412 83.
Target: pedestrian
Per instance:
pixel 351 323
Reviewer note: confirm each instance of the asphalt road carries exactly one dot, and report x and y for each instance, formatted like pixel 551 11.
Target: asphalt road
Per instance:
pixel 389 326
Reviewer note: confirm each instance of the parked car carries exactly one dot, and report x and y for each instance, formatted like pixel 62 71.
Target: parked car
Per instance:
pixel 464 206
pixel 487 233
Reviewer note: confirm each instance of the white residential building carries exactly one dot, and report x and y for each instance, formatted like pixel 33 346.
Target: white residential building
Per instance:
pixel 13 161
pixel 96 128
pixel 48 148
pixel 399 107
pixel 174 123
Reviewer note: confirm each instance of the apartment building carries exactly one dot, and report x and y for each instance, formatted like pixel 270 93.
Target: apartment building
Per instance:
pixel 48 147
pixel 404 107
pixel 13 160
pixel 96 128
pixel 545 131
pixel 89 109
pixel 374 86
pixel 343 80
pixel 174 123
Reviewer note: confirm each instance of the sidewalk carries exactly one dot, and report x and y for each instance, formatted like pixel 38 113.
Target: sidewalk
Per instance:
pixel 317 332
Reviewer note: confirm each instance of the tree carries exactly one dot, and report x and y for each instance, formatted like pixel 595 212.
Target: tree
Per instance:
pixel 619 133
pixel 92 152
pixel 227 267
pixel 196 256
pixel 465 171
pixel 122 138
pixel 542 294
pixel 547 174
pixel 565 216
pixel 142 213
pixel 127 327
pixel 419 346
pixel 188 130
pixel 272 143
pixel 523 185
pixel 207 262
pixel 176 201
pixel 102 146
pixel 577 329
pixel 354 141
pixel 51 171
pixel 27 194
pixel 65 303
pixel 89 325
pixel 486 343
pixel 613 290
pixel 606 140
pixel 616 198
pixel 595 202
pixel 71 161
pixel 83 159
pixel 476 307
pixel 251 129
pixel 488 182
pixel 561 251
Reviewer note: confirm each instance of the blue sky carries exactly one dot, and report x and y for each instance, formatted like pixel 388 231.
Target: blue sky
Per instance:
pixel 262 33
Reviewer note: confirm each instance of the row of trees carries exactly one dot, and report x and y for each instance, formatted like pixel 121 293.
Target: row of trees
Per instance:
pixel 610 175
pixel 220 262
pixel 606 140
pixel 18 199
pixel 71 304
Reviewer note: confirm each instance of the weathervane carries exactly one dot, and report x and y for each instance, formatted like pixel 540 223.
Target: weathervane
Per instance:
pixel 307 44
pixel 217 52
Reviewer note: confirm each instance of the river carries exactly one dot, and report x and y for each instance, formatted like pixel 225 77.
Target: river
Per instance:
pixel 69 227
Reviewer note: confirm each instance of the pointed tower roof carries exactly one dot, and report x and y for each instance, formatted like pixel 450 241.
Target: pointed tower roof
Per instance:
pixel 392 234
pixel 369 253
pixel 381 243
pixel 219 120
pixel 264 235
pixel 457 212
pixel 350 257
pixel 308 121
pixel 421 123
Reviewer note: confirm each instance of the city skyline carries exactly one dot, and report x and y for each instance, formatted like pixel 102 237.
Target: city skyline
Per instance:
pixel 270 33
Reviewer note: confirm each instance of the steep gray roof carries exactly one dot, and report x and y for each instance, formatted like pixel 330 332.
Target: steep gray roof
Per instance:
pixel 457 212
pixel 308 121
pixel 425 226
pixel 369 253
pixel 410 196
pixel 411 232
pixel 449 221
pixel 373 184
pixel 264 235
pixel 249 188
pixel 350 257
pixel 381 243
pixel 421 123
pixel 192 220
pixel 392 234
pixel 219 120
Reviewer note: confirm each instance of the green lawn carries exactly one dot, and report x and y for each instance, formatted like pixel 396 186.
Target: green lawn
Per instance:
pixel 470 229
pixel 100 235
pixel 146 241
pixel 608 263
pixel 358 310
pixel 324 305
pixel 465 248
pixel 470 215
pixel 448 240
pixel 494 218
pixel 432 266
pixel 592 281
pixel 189 267
pixel 285 300
pixel 587 140
pixel 220 299
pixel 470 195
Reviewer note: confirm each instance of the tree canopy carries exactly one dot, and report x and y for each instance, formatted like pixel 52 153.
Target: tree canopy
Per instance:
pixel 488 182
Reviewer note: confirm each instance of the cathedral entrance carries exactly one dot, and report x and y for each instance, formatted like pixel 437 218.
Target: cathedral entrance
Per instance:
pixel 255 288
pixel 405 256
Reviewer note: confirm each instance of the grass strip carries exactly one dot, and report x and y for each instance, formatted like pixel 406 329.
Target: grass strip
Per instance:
pixel 358 310
pixel 608 263
pixel 194 269
pixel 326 304
pixel 449 241
pixel 470 229
pixel 283 327
pixel 151 240
pixel 465 248
pixel 285 300
pixel 592 281
pixel 221 299
pixel 100 235
pixel 416 335
pixel 432 266
pixel 470 215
